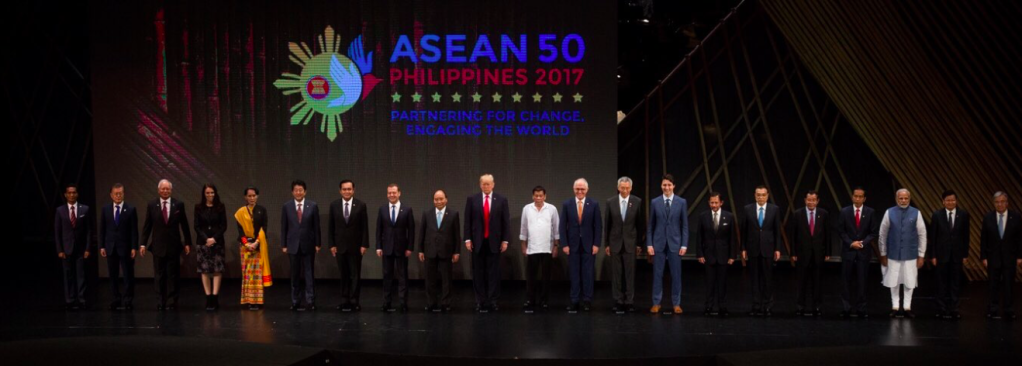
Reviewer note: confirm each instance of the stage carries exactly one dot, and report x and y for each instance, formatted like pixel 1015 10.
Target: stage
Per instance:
pixel 509 335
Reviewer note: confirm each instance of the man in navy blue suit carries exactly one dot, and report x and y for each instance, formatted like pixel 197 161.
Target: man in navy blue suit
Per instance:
pixel 395 237
pixel 581 229
pixel 858 231
pixel 118 243
pixel 487 232
pixel 72 229
pixel 167 224
pixel 667 241
pixel 299 227
pixel 761 234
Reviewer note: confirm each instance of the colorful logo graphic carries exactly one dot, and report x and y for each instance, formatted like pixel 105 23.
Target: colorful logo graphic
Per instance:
pixel 330 83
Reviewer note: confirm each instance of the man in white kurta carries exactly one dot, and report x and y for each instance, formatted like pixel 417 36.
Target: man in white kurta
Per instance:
pixel 902 250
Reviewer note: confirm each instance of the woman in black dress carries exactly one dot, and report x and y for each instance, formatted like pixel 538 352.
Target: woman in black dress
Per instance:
pixel 210 225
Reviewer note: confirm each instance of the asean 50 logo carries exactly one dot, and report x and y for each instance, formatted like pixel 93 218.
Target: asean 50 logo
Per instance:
pixel 330 83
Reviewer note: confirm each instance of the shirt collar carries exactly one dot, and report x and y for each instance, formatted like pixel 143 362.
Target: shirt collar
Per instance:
pixel 348 201
pixel 440 210
pixel 619 198
pixel 761 207
pixel 668 198
pixel 951 211
pixel 299 203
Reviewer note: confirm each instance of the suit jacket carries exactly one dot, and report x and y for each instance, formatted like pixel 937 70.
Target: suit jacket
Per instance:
pixel 624 234
pixel 72 239
pixel 716 246
pixel 166 237
pixel 944 243
pixel 440 242
pixel 868 232
pixel 352 235
pixel 500 220
pixel 394 238
pixel 996 250
pixel 667 229
pixel 122 236
pixel 584 235
pixel 805 246
pixel 761 241
pixel 301 238
pixel 210 222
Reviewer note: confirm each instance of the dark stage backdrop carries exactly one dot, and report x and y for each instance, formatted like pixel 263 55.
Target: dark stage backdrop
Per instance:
pixel 425 94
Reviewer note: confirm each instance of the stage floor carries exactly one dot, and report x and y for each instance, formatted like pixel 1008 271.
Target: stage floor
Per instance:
pixel 511 334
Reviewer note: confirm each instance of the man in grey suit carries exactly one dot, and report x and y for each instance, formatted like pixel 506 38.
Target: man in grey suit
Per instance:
pixel 72 229
pixel 299 227
pixel 438 244
pixel 623 229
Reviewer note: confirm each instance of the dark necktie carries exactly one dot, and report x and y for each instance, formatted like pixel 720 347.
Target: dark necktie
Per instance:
pixel 346 212
pixel 950 220
pixel 117 215
pixel 74 216
pixel 166 214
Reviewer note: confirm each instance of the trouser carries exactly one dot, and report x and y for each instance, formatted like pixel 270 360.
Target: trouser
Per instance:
pixel 622 271
pixel 1002 279
pixel 121 265
pixel 762 269
pixel 395 267
pixel 74 278
pixel 896 297
pixel 350 266
pixel 858 268
pixel 809 287
pixel 673 260
pixel 949 284
pixel 581 272
pixel 716 285
pixel 537 278
pixel 438 281
pixel 302 279
pixel 167 273
pixel 485 272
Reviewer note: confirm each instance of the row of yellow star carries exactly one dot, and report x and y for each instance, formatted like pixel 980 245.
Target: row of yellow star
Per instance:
pixel 476 97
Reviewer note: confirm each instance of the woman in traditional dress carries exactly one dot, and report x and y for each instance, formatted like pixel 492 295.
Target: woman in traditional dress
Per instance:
pixel 255 257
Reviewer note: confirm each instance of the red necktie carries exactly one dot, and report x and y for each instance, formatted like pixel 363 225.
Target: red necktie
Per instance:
pixel 486 216
pixel 166 215
pixel 856 219
pixel 812 224
pixel 74 217
pixel 299 214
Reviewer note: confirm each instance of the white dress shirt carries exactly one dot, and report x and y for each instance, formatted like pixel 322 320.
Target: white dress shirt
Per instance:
pixel 539 228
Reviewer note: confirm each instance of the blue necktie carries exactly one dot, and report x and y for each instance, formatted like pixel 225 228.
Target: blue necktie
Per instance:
pixel 393 217
pixel 624 208
pixel 668 208
pixel 117 215
pixel 1000 225
pixel 439 218
pixel 760 217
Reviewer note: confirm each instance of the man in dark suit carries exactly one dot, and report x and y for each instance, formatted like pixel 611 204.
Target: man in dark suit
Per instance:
pixel 857 229
pixel 716 248
pixel 810 242
pixel 667 241
pixel 1001 249
pixel 487 232
pixel 438 244
pixel 167 224
pixel 299 228
pixel 623 227
pixel 761 246
pixel 72 229
pixel 947 250
pixel 349 239
pixel 581 228
pixel 118 243
pixel 395 235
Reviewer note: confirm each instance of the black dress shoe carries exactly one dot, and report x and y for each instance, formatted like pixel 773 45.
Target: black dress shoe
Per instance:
pixel 385 308
pixel 573 308
pixel 895 313
pixel 1009 315
pixel 253 307
pixel 356 307
pixel 992 315
pixel 295 307
pixel 403 308
pixel 544 305
pixel 817 313
pixel 754 312
pixel 128 307
pixel 528 308
pixel 446 308
pixel 161 307
pixel 494 307
pixel 708 311
pixel 69 306
pixel 846 314
pixel 310 307
pixel 430 308
pixel 909 314
pixel 172 306
pixel 862 314
pixel 941 315
pixel 618 308
pixel 955 315
pixel 586 306
pixel 768 313
pixel 115 306
pixel 630 308
pixel 343 307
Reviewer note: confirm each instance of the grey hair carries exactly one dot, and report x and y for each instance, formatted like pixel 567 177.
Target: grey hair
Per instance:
pixel 902 190
pixel 624 179
pixel 164 181
pixel 583 180
pixel 1000 193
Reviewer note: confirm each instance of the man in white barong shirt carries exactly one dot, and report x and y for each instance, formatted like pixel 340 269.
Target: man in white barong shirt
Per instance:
pixel 902 251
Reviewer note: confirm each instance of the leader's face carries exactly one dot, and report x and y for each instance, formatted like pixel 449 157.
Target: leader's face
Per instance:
pixel 439 200
pixel 762 195
pixel 904 198
pixel 538 197
pixel 624 188
pixel 715 203
pixel 117 195
pixel 347 190
pixel 486 185
pixel 71 194
pixel 811 201
pixel 580 190
pixel 251 197
pixel 950 202
pixel 210 194
pixel 858 197
pixel 165 190
pixel 393 194
pixel 667 187
pixel 298 192
pixel 1001 203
